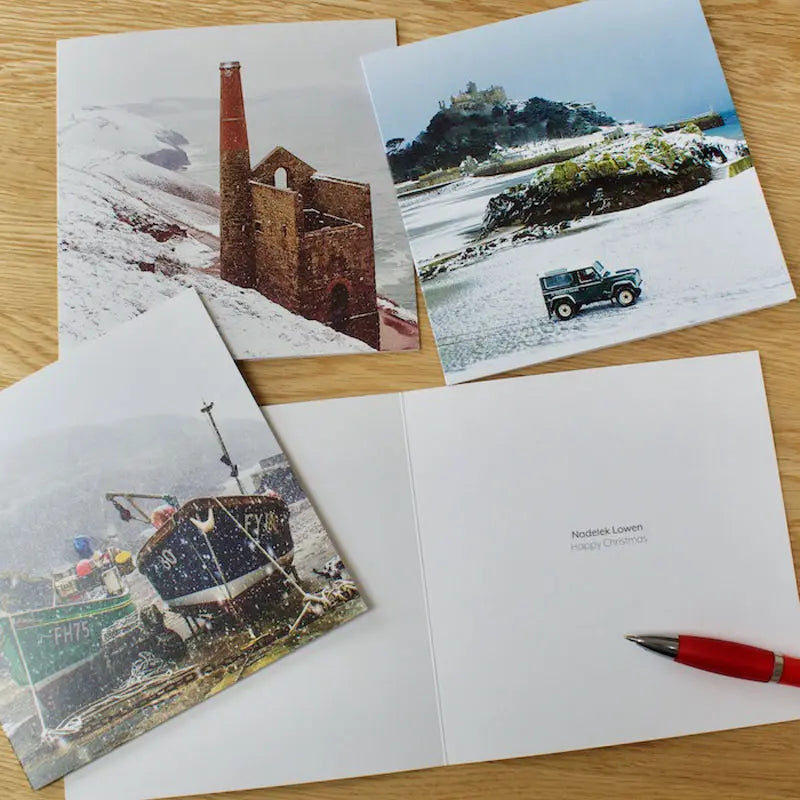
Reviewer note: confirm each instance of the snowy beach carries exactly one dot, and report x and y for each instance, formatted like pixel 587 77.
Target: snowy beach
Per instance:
pixel 538 146
pixel 444 220
pixel 704 255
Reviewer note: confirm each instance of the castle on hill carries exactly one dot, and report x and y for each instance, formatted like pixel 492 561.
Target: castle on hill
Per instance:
pixel 474 99
pixel 301 239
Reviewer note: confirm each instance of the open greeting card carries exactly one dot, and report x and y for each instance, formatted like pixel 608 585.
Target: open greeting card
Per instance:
pixel 571 180
pixel 242 161
pixel 155 544
pixel 508 535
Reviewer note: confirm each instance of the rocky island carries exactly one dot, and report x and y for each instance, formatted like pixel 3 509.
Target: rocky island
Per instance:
pixel 614 174
pixel 477 121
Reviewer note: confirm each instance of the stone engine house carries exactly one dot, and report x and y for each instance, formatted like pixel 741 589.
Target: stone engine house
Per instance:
pixel 302 239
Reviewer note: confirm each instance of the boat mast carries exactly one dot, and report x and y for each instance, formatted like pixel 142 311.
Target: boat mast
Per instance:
pixel 226 458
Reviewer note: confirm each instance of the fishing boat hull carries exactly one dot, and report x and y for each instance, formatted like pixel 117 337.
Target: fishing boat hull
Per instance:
pixel 215 555
pixel 46 642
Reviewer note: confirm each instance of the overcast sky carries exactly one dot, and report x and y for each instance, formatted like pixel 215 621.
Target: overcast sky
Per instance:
pixel 141 67
pixel 648 60
pixel 164 362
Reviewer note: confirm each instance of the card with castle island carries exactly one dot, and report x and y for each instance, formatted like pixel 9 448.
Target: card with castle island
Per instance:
pixel 573 179
pixel 241 161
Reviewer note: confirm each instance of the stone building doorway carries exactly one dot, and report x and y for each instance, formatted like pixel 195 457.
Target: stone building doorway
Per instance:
pixel 340 307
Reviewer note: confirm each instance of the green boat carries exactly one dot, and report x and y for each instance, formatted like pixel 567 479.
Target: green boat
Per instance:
pixel 44 642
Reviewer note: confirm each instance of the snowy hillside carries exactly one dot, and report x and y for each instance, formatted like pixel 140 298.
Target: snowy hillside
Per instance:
pixel 134 231
pixel 347 150
pixel 478 121
pixel 98 131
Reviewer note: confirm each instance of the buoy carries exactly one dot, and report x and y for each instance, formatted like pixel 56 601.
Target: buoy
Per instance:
pixel 82 545
pixel 124 562
pixel 84 567
pixel 161 514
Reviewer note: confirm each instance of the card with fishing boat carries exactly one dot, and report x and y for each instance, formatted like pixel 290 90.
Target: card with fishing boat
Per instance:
pixel 156 546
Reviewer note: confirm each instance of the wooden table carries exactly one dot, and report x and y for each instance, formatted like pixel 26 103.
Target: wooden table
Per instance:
pixel 758 45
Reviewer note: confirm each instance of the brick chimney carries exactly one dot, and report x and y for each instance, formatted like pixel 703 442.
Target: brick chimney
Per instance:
pixel 237 256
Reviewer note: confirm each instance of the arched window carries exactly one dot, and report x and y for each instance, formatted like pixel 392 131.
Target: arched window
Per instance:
pixel 280 178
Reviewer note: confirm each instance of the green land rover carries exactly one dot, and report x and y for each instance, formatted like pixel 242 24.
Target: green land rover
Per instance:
pixel 566 290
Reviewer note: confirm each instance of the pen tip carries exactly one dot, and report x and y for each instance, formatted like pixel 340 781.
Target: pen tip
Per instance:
pixel 665 645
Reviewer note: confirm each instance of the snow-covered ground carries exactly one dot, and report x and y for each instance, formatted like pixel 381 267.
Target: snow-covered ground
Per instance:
pixel 704 255
pixel 540 146
pixel 444 220
pixel 122 248
pixel 313 546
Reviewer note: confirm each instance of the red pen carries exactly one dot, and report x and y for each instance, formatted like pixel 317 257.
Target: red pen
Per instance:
pixel 725 658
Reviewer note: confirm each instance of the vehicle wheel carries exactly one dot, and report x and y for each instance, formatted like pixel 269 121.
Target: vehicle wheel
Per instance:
pixel 565 309
pixel 625 296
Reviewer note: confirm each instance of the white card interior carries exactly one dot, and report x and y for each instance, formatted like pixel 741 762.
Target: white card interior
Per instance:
pixel 488 636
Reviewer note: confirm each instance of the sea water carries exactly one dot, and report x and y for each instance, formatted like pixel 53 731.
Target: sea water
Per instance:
pixel 732 129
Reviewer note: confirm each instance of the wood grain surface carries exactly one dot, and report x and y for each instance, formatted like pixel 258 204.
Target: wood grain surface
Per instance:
pixel 759 44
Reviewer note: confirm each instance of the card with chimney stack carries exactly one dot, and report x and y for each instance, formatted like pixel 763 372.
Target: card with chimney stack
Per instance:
pixel 242 161
pixel 156 546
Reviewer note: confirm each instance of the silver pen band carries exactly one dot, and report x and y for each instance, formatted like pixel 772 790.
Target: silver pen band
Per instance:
pixel 777 668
